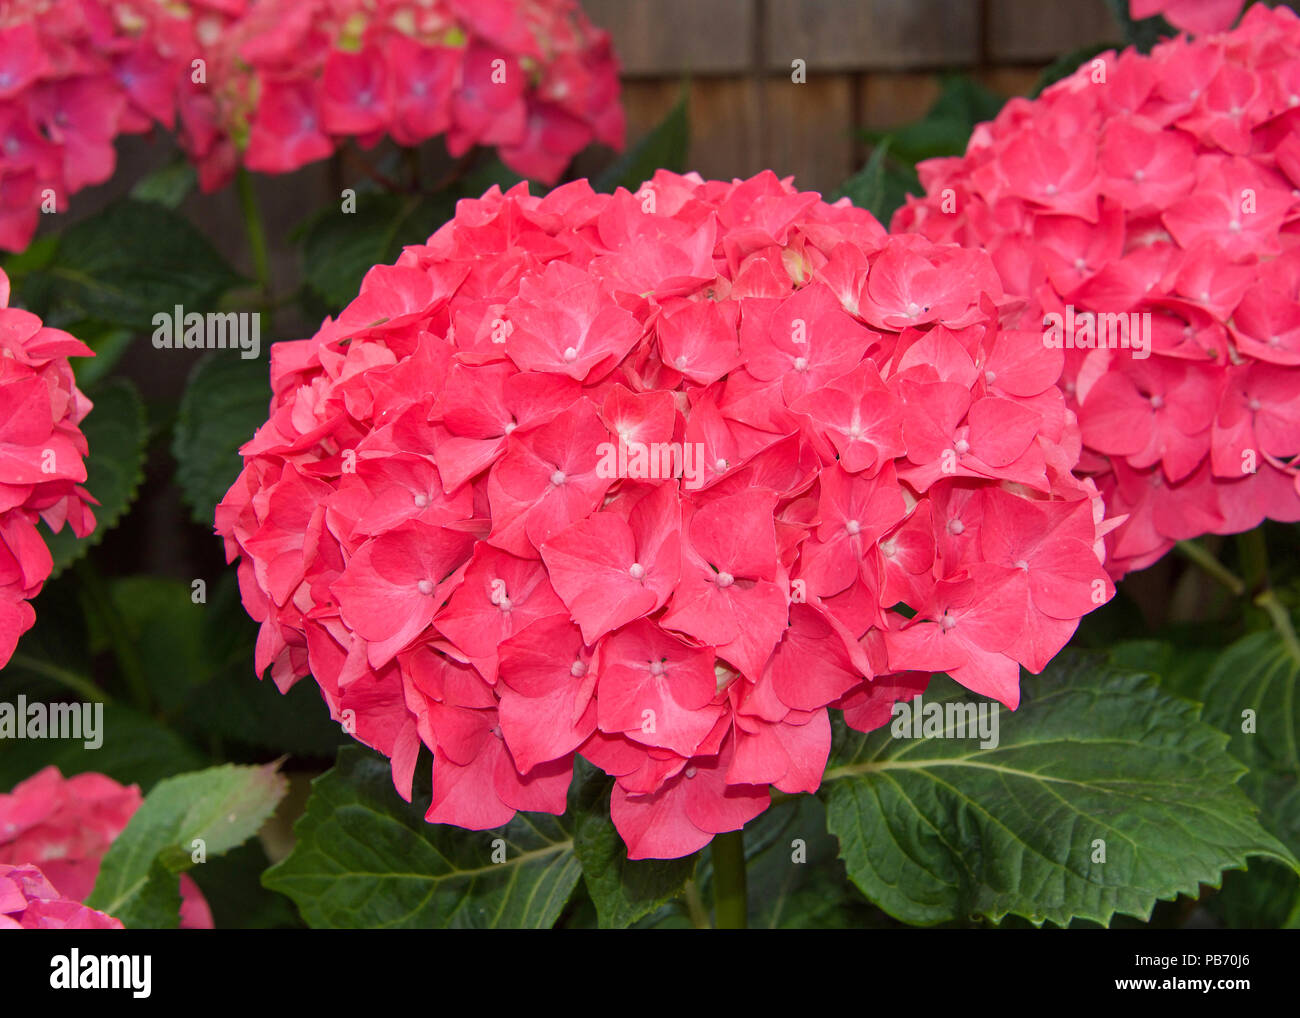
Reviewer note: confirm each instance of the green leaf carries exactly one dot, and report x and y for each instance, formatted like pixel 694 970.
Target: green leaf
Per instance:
pixel 1153 656
pixel 928 138
pixel 666 147
pixel 128 263
pixel 866 187
pixel 794 877
pixel 1252 693
pixel 226 400
pixel 1255 684
pixel 796 881
pixel 947 125
pixel 623 890
pixel 222 807
pixel 116 433
pixel 165 627
pixel 168 186
pixel 881 187
pixel 53 659
pixel 234 704
pixel 1264 897
pixel 232 884
pixel 1180 666
pixel 339 247
pixel 964 98
pixel 1143 34
pixel 38 254
pixel 364 858
pixel 109 343
pixel 156 905
pixel 935 829
pixel 197 662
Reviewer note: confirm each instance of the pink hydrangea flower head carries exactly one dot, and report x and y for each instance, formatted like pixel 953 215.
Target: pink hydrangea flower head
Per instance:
pixel 658 479
pixel 74 76
pixel 278 84
pixel 1196 17
pixel 290 80
pixel 1146 211
pixel 42 452
pixel 65 825
pixel 28 901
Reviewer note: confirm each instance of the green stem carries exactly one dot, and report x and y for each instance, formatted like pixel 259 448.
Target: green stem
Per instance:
pixel 1254 559
pixel 730 908
pixel 695 907
pixel 1202 559
pixel 411 156
pixel 255 231
pixel 78 683
pixel 1252 554
pixel 1281 620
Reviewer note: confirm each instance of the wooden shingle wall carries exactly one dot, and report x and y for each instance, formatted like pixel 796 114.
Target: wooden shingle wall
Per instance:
pixel 870 64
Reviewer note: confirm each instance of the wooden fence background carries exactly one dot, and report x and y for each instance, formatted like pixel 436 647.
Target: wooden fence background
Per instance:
pixel 870 64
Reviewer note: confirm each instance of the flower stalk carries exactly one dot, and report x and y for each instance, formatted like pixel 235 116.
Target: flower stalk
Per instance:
pixel 1210 565
pixel 256 234
pixel 1272 606
pixel 730 905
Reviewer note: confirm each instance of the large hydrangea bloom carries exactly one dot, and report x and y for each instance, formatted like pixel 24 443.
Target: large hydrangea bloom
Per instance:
pixel 278 84
pixel 41 458
pixel 289 79
pixel 28 901
pixel 656 479
pixel 1166 185
pixel 65 825
pixel 74 74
